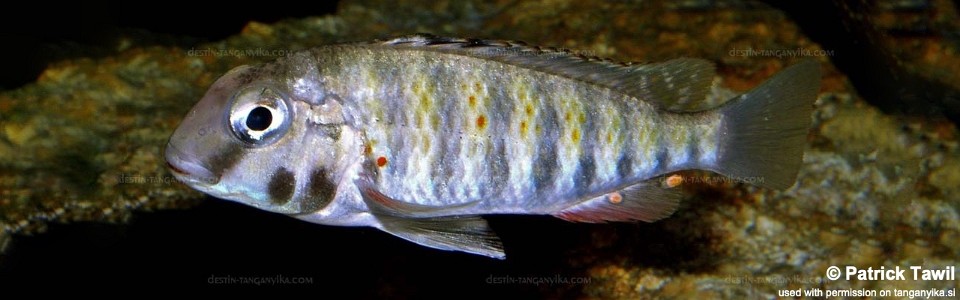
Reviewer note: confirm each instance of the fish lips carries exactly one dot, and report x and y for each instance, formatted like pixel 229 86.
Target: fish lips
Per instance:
pixel 187 170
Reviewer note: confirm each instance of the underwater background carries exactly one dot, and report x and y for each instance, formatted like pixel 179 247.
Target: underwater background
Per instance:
pixel 86 200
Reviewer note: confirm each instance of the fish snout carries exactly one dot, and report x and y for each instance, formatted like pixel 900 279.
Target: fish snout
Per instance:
pixel 187 169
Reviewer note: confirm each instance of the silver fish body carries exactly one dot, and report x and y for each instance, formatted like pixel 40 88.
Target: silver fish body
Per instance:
pixel 420 135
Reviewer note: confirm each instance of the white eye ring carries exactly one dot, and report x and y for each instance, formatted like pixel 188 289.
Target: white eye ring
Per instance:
pixel 259 115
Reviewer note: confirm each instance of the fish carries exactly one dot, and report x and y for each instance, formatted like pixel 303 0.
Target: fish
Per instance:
pixel 420 136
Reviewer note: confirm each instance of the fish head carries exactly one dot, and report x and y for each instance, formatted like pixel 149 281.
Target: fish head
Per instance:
pixel 253 139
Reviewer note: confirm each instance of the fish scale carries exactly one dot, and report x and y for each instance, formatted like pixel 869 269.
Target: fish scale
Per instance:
pixel 565 128
pixel 419 135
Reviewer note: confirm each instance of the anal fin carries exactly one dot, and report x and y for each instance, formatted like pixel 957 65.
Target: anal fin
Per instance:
pixel 647 201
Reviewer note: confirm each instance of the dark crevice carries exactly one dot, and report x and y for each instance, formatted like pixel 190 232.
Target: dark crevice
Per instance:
pixel 36 35
pixel 877 74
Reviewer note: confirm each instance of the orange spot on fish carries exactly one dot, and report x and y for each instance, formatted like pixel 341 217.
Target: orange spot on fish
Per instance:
pixel 381 161
pixel 481 122
pixel 472 101
pixel 674 180
pixel 615 197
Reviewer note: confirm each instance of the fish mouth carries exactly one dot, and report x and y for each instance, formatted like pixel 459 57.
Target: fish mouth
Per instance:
pixel 187 169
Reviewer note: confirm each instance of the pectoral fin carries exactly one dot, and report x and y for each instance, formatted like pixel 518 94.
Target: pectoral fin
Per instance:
pixel 427 226
pixel 647 201
pixel 383 204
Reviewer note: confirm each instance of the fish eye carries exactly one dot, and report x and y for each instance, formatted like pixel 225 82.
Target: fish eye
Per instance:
pixel 259 115
pixel 259 119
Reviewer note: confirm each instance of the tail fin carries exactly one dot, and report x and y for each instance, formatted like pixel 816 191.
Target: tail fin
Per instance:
pixel 764 131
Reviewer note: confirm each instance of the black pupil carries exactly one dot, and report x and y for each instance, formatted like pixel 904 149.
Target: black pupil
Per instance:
pixel 259 119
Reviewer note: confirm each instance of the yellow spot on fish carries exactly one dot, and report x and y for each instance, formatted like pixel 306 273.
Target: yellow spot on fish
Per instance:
pixel 609 137
pixel 575 136
pixel 529 109
pixel 435 122
pixel 523 128
pixel 674 180
pixel 425 141
pixel 566 116
pixel 537 129
pixel 367 149
pixel 481 122
pixel 582 118
pixel 472 101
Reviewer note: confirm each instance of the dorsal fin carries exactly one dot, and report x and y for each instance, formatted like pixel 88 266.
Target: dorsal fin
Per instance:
pixel 679 85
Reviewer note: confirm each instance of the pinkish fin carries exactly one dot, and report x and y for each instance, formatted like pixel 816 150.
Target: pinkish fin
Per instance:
pixel 647 201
